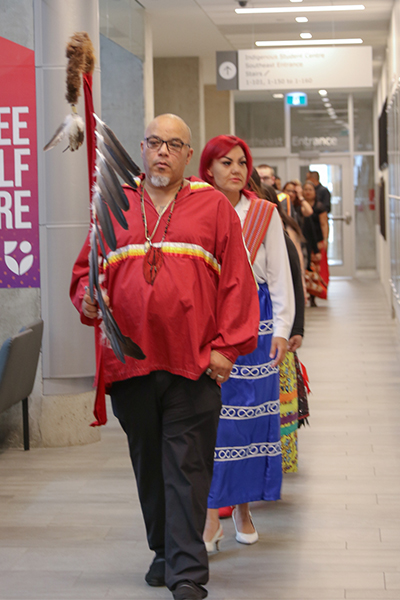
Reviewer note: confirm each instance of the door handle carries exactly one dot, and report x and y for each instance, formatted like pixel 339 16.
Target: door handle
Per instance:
pixel 346 218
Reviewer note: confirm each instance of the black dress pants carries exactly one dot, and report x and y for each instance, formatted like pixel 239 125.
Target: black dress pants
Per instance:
pixel 171 424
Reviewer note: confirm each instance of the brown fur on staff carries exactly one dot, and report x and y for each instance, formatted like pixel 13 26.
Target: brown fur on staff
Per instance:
pixel 80 54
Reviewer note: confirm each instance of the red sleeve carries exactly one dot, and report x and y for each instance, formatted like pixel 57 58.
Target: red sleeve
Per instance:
pixel 238 310
pixel 80 279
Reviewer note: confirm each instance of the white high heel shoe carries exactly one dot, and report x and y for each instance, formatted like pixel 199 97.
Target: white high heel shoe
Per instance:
pixel 212 545
pixel 245 538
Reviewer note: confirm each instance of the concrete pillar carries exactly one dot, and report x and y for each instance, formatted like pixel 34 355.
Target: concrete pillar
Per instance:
pixel 148 73
pixel 68 349
pixel 218 108
pixel 178 89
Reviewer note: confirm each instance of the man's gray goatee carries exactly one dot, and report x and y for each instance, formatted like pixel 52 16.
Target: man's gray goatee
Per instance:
pixel 159 180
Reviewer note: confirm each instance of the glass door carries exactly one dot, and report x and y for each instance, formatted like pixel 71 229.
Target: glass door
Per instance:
pixel 335 174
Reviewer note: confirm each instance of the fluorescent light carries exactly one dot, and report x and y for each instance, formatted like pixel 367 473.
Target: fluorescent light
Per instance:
pixel 277 95
pixel 302 19
pixel 306 36
pixel 331 42
pixel 291 9
pixel 323 93
pixel 296 0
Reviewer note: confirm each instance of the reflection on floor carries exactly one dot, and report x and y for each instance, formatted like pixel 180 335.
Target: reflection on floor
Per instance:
pixel 70 523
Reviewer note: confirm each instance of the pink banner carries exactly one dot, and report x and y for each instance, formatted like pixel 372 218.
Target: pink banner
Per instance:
pixel 19 219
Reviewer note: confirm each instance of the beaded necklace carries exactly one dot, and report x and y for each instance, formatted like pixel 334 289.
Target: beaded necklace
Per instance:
pixel 153 259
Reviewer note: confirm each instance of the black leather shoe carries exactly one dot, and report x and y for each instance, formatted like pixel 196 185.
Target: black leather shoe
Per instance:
pixel 188 590
pixel 155 576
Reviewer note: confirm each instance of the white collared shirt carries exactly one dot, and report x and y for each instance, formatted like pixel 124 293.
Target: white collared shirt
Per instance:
pixel 272 266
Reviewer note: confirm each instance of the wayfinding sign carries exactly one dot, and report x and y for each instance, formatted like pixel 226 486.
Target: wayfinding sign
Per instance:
pixel 305 68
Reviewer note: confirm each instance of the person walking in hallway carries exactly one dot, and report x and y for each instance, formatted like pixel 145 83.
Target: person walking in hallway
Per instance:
pixel 317 278
pixel 322 192
pixel 192 315
pixel 248 462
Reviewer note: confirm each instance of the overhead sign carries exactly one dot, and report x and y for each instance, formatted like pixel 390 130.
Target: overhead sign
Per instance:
pixel 296 99
pixel 19 220
pixel 227 70
pixel 306 68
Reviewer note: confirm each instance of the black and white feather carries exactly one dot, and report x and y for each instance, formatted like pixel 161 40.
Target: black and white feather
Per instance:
pixel 72 128
pixel 112 161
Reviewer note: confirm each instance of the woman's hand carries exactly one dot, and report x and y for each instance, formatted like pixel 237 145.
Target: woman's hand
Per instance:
pixel 278 350
pixel 294 343
pixel 299 191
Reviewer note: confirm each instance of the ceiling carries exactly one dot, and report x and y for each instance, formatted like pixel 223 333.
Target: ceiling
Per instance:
pixel 203 27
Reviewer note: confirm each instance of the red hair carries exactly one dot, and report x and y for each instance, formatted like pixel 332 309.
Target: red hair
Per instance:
pixel 220 146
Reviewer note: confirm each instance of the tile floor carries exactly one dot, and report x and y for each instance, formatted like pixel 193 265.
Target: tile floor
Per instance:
pixel 70 522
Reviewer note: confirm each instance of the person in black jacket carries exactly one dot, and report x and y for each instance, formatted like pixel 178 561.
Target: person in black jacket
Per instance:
pixel 322 192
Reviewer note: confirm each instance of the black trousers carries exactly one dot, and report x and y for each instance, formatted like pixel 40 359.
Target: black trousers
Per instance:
pixel 171 424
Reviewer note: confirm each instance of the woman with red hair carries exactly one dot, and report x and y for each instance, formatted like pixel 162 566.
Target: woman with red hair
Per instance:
pixel 248 460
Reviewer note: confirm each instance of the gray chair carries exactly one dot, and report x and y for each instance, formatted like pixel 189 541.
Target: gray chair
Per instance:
pixel 19 357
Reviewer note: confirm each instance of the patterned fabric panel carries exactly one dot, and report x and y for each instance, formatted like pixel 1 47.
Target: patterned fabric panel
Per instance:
pixel 250 412
pixel 266 327
pixel 251 451
pixel 289 413
pixel 253 371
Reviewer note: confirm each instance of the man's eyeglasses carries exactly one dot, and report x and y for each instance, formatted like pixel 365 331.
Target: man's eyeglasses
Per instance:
pixel 174 146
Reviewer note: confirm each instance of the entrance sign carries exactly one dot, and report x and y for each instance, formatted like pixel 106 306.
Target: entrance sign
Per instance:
pixel 19 220
pixel 305 68
pixel 296 99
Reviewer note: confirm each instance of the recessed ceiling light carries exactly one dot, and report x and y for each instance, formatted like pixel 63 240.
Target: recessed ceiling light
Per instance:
pixel 332 42
pixel 289 9
pixel 302 19
pixel 323 93
pixel 328 105
pixel 306 36
pixel 325 99
pixel 296 0
pixel 277 95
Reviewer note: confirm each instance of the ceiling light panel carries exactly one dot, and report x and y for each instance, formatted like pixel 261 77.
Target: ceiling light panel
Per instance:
pixel 294 9
pixel 330 42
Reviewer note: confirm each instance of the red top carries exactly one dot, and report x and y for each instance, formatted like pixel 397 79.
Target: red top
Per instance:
pixel 203 298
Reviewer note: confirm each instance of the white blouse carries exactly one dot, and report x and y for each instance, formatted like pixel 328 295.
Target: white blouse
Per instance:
pixel 272 266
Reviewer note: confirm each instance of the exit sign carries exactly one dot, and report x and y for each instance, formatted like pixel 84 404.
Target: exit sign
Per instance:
pixel 296 99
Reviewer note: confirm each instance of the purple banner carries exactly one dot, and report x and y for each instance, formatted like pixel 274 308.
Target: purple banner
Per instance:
pixel 19 219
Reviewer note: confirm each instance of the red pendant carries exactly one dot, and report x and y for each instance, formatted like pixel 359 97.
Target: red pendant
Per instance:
pixel 152 263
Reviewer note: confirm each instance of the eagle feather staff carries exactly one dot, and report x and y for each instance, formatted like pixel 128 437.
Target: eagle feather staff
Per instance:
pixel 106 192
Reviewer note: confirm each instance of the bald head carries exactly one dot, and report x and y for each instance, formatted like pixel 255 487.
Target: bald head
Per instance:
pixel 168 153
pixel 172 123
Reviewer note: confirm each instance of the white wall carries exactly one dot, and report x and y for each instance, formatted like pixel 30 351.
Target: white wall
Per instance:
pixel 389 77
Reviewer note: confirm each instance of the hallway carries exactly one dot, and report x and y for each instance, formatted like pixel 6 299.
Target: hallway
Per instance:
pixel 70 522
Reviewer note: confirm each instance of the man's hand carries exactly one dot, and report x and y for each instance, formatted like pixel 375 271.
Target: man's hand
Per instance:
pixel 294 343
pixel 278 350
pixel 90 308
pixel 219 367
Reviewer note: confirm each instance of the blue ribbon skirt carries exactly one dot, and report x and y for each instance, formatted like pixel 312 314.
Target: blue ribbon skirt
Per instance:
pixel 248 459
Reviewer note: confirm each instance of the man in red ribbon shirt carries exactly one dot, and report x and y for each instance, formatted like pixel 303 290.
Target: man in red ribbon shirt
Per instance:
pixel 181 286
